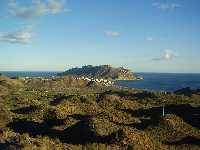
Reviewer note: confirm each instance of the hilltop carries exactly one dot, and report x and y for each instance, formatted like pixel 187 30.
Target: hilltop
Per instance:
pixel 102 71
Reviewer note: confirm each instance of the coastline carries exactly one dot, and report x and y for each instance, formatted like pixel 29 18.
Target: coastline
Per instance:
pixel 152 81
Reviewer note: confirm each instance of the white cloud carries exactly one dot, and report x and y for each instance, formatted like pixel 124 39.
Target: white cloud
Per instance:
pixel 22 36
pixel 166 6
pixel 168 55
pixel 36 8
pixel 150 38
pixel 112 33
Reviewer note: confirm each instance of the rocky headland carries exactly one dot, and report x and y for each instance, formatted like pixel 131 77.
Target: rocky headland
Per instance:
pixel 102 72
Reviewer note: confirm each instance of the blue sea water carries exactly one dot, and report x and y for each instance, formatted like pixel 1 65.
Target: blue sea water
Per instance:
pixel 29 73
pixel 164 81
pixel 152 81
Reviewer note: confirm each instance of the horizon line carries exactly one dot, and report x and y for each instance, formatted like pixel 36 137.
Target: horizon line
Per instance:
pixel 65 70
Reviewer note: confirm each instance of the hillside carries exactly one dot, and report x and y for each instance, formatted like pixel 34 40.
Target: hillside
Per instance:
pixel 103 71
pixel 67 113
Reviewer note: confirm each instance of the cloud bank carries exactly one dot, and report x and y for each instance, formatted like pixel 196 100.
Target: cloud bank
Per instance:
pixel 36 8
pixel 22 36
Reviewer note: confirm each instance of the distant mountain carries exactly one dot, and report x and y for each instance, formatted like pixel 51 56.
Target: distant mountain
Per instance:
pixel 102 71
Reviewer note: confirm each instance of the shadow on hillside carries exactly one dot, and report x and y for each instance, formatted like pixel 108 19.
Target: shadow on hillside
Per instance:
pixel 153 116
pixel 80 133
pixel 187 140
pixel 188 113
pixel 150 117
pixel 60 99
pixel 9 146
pixel 25 110
pixel 138 95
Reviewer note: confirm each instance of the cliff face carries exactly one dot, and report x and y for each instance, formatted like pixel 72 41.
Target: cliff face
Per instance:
pixel 103 71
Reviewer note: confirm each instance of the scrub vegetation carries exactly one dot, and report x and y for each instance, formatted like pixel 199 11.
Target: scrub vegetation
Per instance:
pixel 66 113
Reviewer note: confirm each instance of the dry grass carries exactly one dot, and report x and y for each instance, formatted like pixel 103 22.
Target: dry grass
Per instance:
pixel 63 113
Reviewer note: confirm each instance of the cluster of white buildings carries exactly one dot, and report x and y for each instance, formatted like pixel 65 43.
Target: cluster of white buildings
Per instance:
pixel 101 81
pixel 96 80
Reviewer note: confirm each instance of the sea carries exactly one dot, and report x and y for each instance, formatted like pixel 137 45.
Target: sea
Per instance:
pixel 168 82
pixel 29 73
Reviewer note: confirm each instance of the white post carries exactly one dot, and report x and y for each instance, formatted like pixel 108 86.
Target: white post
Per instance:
pixel 117 136
pixel 163 110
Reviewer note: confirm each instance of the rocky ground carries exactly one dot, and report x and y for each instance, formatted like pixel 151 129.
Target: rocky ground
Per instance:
pixel 66 113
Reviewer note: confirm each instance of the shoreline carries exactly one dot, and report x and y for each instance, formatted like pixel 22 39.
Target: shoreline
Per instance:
pixel 152 82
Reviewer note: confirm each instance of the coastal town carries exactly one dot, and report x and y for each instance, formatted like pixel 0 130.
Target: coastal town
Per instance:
pixel 100 81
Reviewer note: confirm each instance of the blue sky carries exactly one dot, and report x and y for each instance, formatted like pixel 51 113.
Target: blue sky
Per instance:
pixel 144 35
